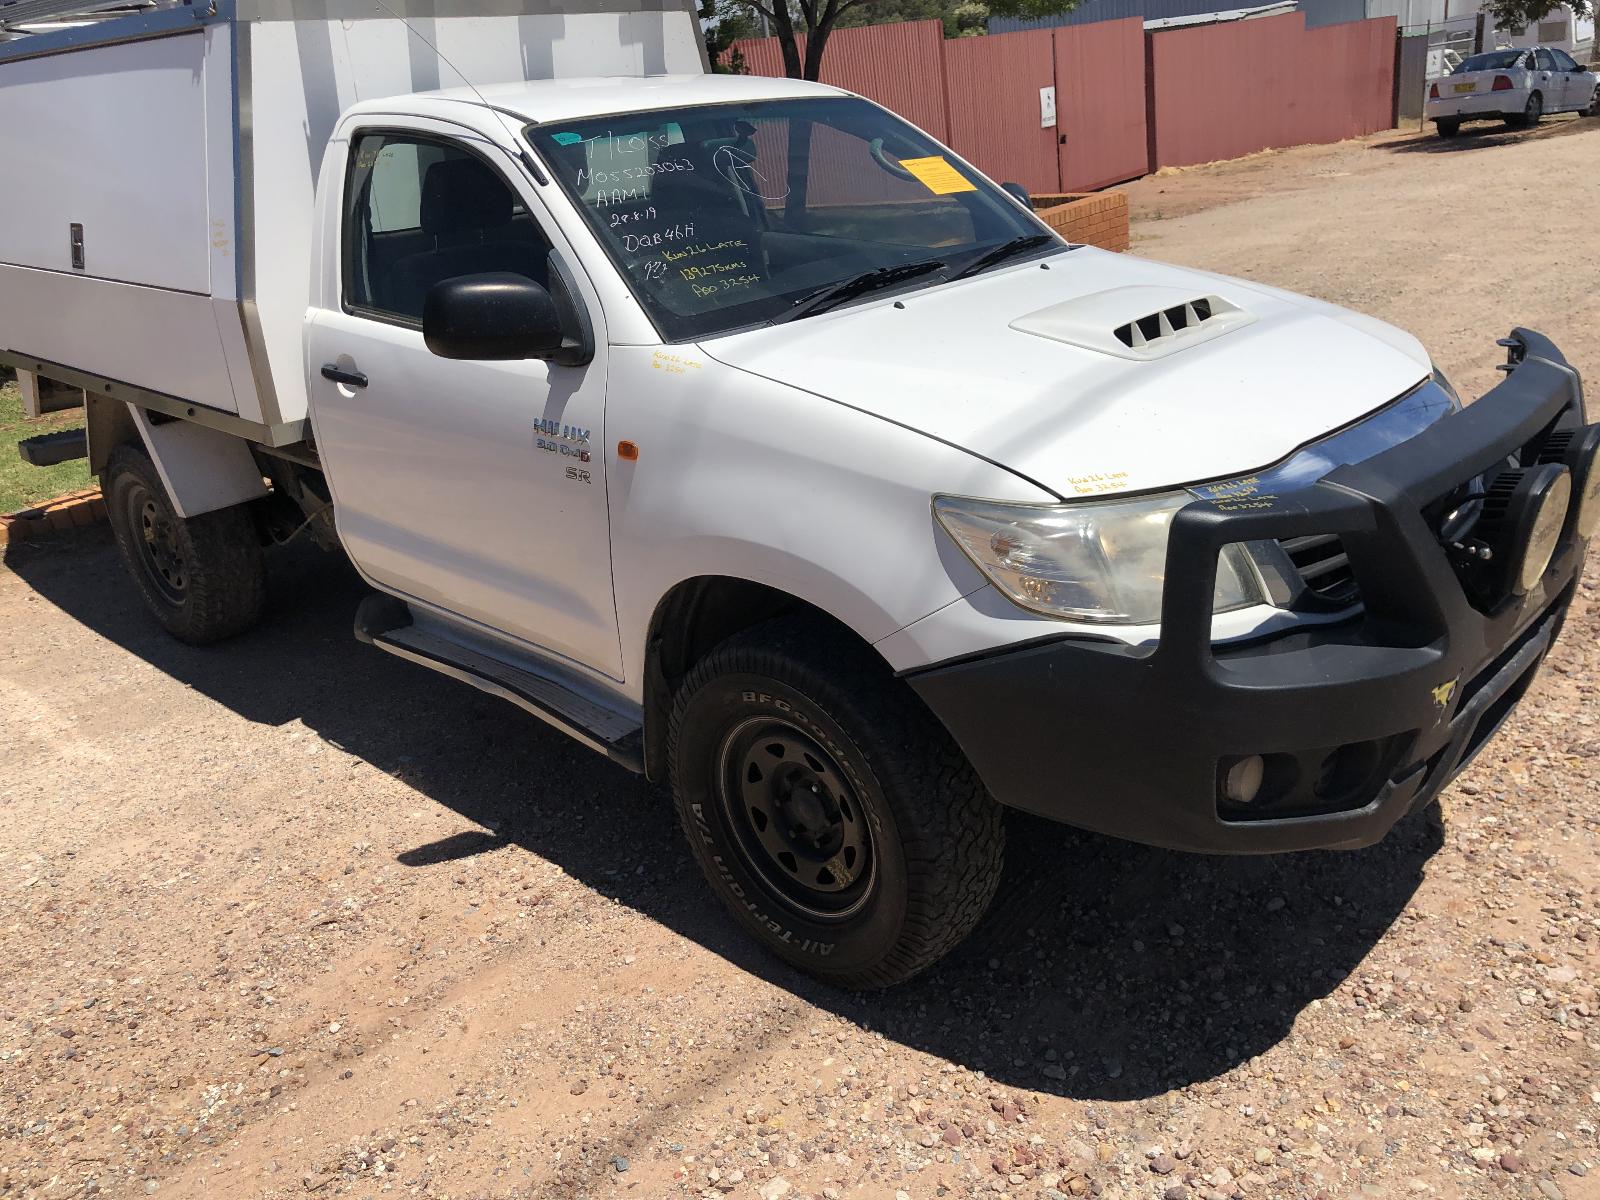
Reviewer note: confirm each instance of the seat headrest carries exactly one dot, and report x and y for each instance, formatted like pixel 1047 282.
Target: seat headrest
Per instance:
pixel 463 194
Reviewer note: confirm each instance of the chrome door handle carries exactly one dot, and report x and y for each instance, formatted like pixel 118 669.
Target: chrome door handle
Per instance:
pixel 353 379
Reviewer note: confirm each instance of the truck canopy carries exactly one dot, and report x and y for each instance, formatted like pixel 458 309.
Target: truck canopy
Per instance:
pixel 165 160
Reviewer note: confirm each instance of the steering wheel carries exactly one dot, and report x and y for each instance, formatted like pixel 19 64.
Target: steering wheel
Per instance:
pixel 875 148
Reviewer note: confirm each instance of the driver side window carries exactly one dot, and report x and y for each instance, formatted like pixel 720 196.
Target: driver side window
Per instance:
pixel 420 210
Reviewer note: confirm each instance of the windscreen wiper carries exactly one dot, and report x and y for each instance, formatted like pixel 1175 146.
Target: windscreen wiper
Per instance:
pixel 1005 250
pixel 859 285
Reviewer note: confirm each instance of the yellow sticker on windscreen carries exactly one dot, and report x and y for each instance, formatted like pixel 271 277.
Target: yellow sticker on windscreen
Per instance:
pixel 938 176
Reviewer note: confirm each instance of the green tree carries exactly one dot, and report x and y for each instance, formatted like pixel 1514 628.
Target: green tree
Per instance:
pixel 1526 14
pixel 802 27
pixel 724 22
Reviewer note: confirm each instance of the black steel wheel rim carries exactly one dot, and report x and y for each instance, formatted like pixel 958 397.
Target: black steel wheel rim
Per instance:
pixel 796 821
pixel 156 544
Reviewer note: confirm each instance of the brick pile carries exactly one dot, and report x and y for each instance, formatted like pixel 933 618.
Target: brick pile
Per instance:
pixel 75 510
pixel 1092 218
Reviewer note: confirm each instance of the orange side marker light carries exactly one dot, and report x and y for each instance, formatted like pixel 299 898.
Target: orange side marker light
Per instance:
pixel 627 451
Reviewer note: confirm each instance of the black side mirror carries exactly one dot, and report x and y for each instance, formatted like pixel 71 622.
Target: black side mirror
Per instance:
pixel 492 317
pixel 1019 194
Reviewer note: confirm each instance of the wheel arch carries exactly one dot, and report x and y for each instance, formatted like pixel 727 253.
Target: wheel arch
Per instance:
pixel 694 616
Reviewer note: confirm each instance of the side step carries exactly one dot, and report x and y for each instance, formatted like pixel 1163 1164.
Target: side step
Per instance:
pixel 389 624
pixel 48 449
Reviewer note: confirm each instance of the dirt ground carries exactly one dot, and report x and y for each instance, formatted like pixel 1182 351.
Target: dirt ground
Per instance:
pixel 290 917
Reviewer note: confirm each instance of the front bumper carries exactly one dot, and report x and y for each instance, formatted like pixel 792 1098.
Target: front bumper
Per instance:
pixel 1358 723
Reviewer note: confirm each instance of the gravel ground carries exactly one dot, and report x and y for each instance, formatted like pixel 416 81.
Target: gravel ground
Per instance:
pixel 291 917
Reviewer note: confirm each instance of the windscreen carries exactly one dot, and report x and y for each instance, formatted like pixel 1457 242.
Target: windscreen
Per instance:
pixel 725 216
pixel 1495 60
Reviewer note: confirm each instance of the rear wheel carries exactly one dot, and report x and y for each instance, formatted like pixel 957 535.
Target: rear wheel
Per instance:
pixel 1448 127
pixel 828 809
pixel 1532 111
pixel 203 577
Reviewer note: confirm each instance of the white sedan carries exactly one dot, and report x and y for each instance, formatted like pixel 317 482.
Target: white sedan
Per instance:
pixel 1515 86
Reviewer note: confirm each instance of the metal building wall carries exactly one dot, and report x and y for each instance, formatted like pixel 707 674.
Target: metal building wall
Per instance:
pixel 1317 12
pixel 1222 91
pixel 993 84
pixel 1091 11
pixel 1333 12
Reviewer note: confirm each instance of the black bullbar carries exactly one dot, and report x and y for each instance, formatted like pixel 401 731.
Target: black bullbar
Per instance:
pixel 1323 736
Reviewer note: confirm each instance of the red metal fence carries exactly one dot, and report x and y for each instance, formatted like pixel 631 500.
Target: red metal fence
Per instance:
pixel 1222 91
pixel 993 84
pixel 1127 102
pixel 901 66
pixel 1100 97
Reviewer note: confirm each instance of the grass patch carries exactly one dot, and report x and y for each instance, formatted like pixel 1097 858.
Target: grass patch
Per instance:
pixel 22 485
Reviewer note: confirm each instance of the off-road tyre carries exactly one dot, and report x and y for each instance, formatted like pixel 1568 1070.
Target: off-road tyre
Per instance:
pixel 204 578
pixel 929 837
pixel 1448 128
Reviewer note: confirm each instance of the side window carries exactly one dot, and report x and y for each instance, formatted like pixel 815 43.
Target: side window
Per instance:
pixel 1564 61
pixel 1544 59
pixel 419 211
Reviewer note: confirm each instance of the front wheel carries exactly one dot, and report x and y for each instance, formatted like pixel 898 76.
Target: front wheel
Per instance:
pixel 828 809
pixel 203 577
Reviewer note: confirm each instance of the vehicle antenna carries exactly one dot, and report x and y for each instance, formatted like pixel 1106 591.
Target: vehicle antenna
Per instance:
pixel 519 148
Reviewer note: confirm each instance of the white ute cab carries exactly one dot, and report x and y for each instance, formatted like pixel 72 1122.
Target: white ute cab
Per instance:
pixel 747 434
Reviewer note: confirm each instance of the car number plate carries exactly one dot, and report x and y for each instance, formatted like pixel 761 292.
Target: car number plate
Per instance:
pixel 1466 87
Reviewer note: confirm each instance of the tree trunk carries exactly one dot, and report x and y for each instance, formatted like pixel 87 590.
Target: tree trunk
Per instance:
pixel 815 44
pixel 784 28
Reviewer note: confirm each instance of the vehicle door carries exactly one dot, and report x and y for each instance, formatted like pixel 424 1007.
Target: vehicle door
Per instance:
pixel 1575 92
pixel 1547 80
pixel 475 487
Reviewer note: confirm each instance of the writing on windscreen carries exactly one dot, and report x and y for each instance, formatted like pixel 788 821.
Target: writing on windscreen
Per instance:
pixel 675 223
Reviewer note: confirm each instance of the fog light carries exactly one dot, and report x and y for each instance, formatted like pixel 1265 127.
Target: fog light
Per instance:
pixel 1242 782
pixel 1548 491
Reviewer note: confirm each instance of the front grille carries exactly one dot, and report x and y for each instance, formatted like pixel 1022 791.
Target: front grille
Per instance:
pixel 1325 567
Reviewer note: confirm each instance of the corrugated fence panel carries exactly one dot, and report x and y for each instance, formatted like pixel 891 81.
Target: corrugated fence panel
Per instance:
pixel 900 66
pixel 1127 101
pixel 1222 91
pixel 993 83
pixel 1100 99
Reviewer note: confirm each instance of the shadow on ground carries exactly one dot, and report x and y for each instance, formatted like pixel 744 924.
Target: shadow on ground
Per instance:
pixel 1104 970
pixel 1486 135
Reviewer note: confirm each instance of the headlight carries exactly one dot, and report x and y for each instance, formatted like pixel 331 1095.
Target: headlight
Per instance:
pixel 1103 562
pixel 1450 389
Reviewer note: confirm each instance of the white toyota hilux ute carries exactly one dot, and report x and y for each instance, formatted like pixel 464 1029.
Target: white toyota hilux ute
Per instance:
pixel 742 431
